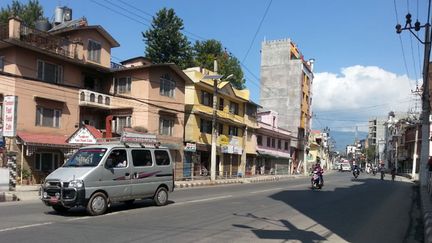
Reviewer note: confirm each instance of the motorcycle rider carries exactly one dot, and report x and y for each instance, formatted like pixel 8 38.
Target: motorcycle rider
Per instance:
pixel 317 167
pixel 355 168
pixel 382 170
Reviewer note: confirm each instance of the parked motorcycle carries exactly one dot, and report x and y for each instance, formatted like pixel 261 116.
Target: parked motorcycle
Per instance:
pixel 316 180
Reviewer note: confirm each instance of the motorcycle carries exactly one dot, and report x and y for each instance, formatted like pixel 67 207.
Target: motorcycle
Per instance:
pixel 356 172
pixel 316 180
pixel 374 171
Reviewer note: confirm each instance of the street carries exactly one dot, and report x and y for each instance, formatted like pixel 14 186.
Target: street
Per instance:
pixel 345 210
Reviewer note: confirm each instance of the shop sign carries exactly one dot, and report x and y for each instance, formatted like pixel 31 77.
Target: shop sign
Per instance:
pixel 237 150
pixel 190 147
pixel 223 140
pixel 83 136
pixel 227 149
pixel 10 104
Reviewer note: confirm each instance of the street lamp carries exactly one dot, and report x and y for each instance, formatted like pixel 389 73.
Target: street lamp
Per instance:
pixel 215 78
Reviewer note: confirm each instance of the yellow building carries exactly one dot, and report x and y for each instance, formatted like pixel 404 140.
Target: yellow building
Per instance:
pixel 236 121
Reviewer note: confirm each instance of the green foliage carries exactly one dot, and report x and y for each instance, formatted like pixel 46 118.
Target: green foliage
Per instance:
pixel 205 52
pixel 370 153
pixel 28 13
pixel 165 43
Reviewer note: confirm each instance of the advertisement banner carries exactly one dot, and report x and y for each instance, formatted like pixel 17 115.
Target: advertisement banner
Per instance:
pixel 10 104
pixel 190 147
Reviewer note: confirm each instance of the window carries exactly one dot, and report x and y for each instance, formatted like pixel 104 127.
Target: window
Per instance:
pixel 233 131
pixel 220 129
pixel 234 108
pixel 251 110
pixel 142 157
pixel 167 86
pixel 286 145
pixel 259 140
pixel 166 126
pixel 2 64
pixel 122 122
pixel 221 104
pixel 118 158
pixel 273 143
pixel 162 157
pixel 206 126
pixel 47 161
pixel 49 72
pixel 46 117
pixel 94 51
pixel 268 142
pixel 279 144
pixel 123 85
pixel 206 98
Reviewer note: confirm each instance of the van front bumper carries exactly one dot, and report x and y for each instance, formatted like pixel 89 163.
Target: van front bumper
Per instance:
pixel 65 196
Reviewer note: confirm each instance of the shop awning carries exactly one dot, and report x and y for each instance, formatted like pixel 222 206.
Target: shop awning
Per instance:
pixel 44 140
pixel 267 154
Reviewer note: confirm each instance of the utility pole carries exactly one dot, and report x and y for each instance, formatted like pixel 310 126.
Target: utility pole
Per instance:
pixel 425 96
pixel 214 129
pixel 415 153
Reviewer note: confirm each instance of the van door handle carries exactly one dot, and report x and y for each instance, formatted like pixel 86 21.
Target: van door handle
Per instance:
pixel 127 174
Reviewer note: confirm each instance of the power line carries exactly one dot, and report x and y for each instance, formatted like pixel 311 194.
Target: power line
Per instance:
pixel 256 32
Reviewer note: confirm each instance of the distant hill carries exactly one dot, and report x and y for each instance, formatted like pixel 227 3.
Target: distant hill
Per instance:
pixel 345 138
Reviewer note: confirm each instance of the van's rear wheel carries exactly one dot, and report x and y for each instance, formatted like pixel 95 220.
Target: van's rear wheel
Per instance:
pixel 97 204
pixel 60 208
pixel 161 196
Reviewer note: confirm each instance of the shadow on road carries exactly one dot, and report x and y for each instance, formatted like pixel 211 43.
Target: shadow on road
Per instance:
pixel 292 232
pixel 357 212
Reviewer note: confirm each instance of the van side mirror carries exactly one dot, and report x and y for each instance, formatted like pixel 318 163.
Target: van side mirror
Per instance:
pixel 109 163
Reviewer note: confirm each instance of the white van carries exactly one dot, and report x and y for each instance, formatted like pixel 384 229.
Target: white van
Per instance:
pixel 97 175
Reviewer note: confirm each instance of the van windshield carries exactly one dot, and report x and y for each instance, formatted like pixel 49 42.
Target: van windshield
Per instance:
pixel 86 158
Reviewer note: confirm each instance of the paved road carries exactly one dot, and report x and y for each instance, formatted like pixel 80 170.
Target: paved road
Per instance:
pixel 346 210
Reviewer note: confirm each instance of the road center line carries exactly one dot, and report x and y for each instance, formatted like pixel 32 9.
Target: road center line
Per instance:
pixel 267 190
pixel 24 226
pixel 203 200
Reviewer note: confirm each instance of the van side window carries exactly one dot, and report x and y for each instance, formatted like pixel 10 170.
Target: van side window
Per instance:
pixel 162 157
pixel 118 158
pixel 141 157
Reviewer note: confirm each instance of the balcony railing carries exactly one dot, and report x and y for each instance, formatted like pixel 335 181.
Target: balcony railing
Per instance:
pixel 94 99
pixel 44 40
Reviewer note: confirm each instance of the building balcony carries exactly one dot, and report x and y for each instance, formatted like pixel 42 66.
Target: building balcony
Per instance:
pixel 91 98
pixel 17 33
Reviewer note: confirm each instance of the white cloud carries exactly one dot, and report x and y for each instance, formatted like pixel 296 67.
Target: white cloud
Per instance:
pixel 360 86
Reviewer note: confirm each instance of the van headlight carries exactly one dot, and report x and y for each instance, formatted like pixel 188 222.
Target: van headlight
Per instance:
pixel 46 184
pixel 76 183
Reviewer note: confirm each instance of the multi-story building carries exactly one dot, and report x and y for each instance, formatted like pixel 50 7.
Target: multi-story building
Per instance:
pixel 273 146
pixel 57 79
pixel 236 122
pixel 286 87
pixel 376 137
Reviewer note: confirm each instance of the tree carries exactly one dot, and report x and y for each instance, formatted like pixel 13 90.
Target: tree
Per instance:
pixel 28 13
pixel 165 42
pixel 205 52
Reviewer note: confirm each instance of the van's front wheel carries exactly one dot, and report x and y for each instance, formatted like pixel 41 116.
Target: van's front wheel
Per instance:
pixel 161 196
pixel 97 204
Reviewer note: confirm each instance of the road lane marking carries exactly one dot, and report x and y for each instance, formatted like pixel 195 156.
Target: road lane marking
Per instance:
pixel 25 226
pixel 203 200
pixel 267 190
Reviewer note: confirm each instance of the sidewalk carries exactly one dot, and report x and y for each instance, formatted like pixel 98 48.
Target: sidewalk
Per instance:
pixel 31 193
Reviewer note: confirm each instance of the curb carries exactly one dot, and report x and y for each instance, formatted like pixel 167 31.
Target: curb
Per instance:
pixel 426 207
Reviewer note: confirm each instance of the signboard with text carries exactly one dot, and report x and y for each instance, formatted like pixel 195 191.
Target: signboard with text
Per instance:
pixel 83 136
pixel 10 104
pixel 190 147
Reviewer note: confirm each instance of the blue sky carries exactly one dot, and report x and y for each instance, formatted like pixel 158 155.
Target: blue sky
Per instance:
pixel 360 69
